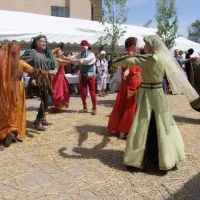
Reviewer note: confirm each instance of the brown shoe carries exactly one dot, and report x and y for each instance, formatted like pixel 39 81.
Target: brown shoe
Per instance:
pixel 10 137
pixel 85 109
pixel 38 126
pixel 94 111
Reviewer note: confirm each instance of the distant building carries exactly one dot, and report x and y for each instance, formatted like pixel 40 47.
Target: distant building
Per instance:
pixel 81 9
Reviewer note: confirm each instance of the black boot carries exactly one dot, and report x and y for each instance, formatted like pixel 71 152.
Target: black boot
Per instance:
pixel 10 137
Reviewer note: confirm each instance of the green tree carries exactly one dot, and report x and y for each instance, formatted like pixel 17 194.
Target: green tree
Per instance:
pixel 148 23
pixel 194 31
pixel 167 21
pixel 114 16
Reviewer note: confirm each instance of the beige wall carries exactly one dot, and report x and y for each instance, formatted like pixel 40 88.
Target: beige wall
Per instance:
pixel 32 6
pixel 77 8
pixel 80 9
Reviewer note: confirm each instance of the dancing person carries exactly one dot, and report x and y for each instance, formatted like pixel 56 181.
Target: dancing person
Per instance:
pixel 39 57
pixel 154 136
pixel 124 109
pixel 86 60
pixel 60 84
pixel 12 95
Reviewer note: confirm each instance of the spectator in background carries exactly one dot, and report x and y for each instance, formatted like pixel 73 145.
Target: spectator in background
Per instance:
pixel 182 61
pixel 181 54
pixel 188 65
pixel 102 73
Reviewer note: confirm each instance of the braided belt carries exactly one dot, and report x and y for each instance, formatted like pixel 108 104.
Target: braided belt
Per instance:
pixel 151 85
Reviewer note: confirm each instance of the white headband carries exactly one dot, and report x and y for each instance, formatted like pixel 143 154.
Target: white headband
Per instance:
pixel 86 47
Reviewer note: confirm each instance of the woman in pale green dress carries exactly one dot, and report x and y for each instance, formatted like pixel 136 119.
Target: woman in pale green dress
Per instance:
pixel 154 136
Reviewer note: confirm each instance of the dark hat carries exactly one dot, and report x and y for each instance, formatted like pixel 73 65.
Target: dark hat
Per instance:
pixel 190 51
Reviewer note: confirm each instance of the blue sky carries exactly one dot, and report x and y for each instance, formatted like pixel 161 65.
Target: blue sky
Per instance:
pixel 142 10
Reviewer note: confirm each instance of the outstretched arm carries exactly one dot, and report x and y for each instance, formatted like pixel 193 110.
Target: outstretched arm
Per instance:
pixel 143 61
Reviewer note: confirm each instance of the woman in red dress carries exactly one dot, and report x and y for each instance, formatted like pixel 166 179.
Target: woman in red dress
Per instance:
pixel 61 94
pixel 124 109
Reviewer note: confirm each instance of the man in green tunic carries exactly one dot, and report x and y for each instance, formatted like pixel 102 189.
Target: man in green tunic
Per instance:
pixel 39 57
pixel 154 129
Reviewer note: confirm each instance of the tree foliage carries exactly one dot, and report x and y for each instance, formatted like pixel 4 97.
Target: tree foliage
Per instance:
pixel 114 16
pixel 194 31
pixel 167 21
pixel 148 23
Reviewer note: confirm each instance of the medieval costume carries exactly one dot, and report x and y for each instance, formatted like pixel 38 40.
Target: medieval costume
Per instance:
pixel 124 109
pixel 86 60
pixel 154 135
pixel 60 84
pixel 12 95
pixel 45 61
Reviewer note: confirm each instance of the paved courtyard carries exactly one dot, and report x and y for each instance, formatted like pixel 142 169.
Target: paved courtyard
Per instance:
pixel 74 159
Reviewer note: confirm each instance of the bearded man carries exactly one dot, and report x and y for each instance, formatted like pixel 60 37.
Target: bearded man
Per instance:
pixel 39 57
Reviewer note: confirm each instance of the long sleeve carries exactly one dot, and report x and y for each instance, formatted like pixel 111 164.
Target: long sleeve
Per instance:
pixel 142 61
pixel 183 61
pixel 26 67
pixel 89 60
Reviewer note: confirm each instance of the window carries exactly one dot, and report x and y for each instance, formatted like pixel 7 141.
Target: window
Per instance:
pixel 59 11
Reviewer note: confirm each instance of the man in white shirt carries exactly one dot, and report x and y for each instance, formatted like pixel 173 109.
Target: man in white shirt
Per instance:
pixel 102 73
pixel 86 59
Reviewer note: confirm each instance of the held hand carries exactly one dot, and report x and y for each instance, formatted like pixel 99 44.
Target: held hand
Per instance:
pixel 73 61
pixel 52 72
pixel 78 61
pixel 125 74
pixel 194 58
pixel 131 53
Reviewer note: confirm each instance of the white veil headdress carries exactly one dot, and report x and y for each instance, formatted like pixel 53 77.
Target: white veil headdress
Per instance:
pixel 176 77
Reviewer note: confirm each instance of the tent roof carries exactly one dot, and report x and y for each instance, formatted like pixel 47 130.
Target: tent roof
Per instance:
pixel 23 26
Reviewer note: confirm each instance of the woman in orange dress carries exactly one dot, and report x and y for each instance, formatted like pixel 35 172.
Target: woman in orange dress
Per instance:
pixel 124 109
pixel 12 95
pixel 61 93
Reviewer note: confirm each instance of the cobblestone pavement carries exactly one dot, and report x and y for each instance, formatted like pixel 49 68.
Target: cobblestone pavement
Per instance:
pixel 74 159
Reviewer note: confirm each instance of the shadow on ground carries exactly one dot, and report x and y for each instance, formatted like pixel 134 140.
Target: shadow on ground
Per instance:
pixel 186 120
pixel 189 191
pixel 106 103
pixel 31 131
pixel 32 108
pixel 111 158
pixel 84 130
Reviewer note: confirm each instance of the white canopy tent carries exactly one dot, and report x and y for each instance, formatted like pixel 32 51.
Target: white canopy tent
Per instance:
pixel 23 26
